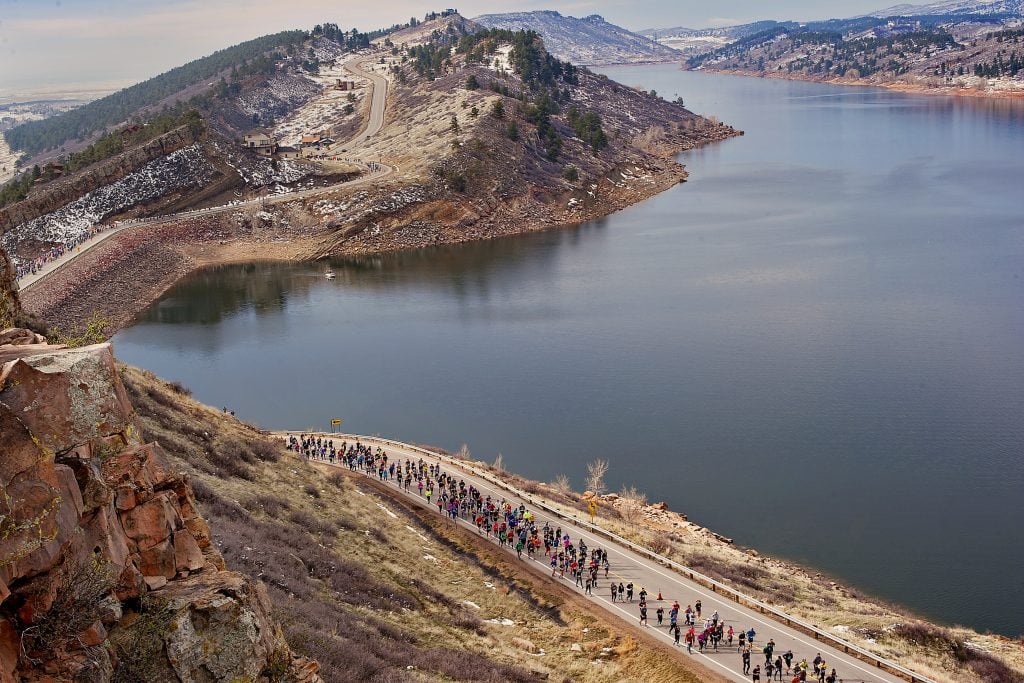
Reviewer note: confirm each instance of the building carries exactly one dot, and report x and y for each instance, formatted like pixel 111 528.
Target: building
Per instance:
pixel 288 152
pixel 311 140
pixel 257 139
pixel 260 142
pixel 344 85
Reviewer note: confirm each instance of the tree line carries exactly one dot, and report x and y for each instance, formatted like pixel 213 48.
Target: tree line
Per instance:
pixel 107 146
pixel 37 136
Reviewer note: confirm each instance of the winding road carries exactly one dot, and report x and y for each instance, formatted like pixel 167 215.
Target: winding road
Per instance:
pixel 375 171
pixel 639 567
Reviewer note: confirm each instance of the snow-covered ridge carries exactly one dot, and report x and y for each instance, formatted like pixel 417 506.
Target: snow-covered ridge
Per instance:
pixel 587 41
pixel 954 7
pixel 183 169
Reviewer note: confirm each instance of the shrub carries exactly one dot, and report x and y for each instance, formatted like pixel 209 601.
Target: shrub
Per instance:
pixel 140 646
pixel 311 491
pixel 82 587
pixel 272 505
pixel 312 524
pixel 571 174
pixel 202 491
pixel 266 450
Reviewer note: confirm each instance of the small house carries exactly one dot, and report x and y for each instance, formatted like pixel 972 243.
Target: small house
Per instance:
pixel 257 139
pixel 288 152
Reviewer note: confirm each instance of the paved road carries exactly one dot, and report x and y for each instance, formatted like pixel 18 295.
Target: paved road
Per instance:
pixel 375 122
pixel 378 102
pixel 628 566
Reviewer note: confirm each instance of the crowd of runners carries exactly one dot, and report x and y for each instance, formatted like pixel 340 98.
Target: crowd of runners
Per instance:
pixel 515 527
pixel 32 266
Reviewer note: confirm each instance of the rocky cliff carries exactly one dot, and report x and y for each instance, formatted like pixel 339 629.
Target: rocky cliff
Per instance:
pixel 61 192
pixel 10 304
pixel 107 570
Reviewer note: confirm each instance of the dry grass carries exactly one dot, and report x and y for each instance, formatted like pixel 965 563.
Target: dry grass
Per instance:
pixel 378 597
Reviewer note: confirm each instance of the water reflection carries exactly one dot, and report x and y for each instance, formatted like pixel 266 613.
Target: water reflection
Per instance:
pixel 815 345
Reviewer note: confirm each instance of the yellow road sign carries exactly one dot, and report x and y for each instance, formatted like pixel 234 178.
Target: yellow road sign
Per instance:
pixel 592 506
pixel 335 422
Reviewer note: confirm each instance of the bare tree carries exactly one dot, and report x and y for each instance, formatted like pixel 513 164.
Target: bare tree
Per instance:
pixel 595 476
pixel 631 503
pixel 463 453
pixel 499 463
pixel 562 484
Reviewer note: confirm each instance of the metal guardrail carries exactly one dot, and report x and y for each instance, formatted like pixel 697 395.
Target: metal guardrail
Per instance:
pixel 706 581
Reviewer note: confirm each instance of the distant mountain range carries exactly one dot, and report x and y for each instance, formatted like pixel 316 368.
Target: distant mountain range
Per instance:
pixel 587 41
pixel 955 7
pixel 691 41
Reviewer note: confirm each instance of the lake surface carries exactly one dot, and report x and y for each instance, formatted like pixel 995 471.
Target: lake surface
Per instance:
pixel 815 346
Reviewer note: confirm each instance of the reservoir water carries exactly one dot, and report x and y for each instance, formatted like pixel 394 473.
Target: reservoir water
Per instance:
pixel 814 346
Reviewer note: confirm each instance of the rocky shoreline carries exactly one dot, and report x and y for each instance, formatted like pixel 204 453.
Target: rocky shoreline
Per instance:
pixel 118 279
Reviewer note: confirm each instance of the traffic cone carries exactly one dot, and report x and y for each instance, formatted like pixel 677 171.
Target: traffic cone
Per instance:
pixel 659 596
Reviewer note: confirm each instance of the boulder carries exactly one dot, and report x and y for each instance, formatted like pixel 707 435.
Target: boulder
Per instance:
pixel 188 556
pixel 19 336
pixel 221 627
pixel 152 522
pixel 525 645
pixel 158 560
pixel 143 469
pixel 67 398
pixel 38 512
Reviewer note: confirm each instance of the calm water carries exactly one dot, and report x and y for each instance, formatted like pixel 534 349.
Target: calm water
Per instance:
pixel 815 346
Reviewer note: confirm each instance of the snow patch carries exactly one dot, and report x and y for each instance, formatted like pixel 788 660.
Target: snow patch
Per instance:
pixel 184 169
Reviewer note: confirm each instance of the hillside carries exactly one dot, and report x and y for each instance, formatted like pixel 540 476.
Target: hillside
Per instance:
pixel 377 589
pixel 147 537
pixel 588 41
pixel 108 571
pixel 484 134
pixel 36 136
pixel 692 42
pixel 971 56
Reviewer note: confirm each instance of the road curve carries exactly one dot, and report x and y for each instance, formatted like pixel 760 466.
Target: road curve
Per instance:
pixel 630 566
pixel 378 102
pixel 375 122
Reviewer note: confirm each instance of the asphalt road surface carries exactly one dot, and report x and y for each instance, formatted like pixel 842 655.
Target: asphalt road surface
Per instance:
pixel 628 566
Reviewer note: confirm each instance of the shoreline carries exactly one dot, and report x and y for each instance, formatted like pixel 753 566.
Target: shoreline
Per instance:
pixel 909 88
pixel 131 269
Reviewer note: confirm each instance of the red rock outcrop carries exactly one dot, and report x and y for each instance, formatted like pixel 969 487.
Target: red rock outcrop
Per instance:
pixel 92 520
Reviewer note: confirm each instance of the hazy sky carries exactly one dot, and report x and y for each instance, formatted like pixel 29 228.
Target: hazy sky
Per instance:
pixel 92 43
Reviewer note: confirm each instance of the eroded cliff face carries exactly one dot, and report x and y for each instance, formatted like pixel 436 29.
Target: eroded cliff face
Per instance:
pixel 107 571
pixel 61 192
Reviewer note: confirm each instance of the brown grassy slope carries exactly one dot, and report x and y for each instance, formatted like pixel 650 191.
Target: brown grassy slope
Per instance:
pixel 375 590
pixel 474 181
